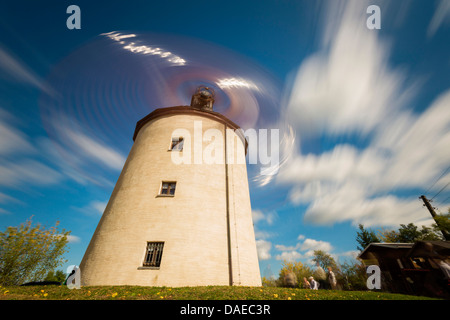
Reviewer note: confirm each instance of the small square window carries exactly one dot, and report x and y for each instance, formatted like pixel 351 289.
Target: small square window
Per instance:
pixel 153 254
pixel 177 144
pixel 168 188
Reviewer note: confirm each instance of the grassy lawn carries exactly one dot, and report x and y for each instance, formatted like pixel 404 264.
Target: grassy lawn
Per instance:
pixel 55 292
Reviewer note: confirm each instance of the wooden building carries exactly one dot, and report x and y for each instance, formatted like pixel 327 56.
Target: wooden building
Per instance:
pixel 421 268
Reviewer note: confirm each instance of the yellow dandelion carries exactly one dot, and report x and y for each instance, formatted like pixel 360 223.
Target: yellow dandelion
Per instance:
pixel 6 292
pixel 289 298
pixel 114 294
pixel 275 295
pixel 42 291
pixel 45 294
pixel 161 297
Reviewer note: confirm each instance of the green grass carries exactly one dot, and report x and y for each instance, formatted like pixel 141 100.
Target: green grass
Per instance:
pixel 54 292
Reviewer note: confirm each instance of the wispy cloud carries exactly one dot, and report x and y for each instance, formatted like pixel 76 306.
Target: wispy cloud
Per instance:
pixel 73 239
pixel 27 172
pixel 23 169
pixel 12 140
pixel 38 161
pixel 268 217
pixel 96 150
pixel 82 148
pixel 18 71
pixel 263 248
pixel 94 207
pixel 440 17
pixel 4 198
pixel 347 86
pixel 302 250
pixel 348 92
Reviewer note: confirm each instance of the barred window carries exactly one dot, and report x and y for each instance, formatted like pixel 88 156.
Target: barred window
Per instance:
pixel 153 254
pixel 168 188
pixel 177 144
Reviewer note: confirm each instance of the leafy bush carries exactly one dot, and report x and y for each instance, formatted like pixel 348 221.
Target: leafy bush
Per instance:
pixel 28 252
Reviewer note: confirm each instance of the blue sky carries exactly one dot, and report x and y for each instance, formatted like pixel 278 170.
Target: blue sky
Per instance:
pixel 370 109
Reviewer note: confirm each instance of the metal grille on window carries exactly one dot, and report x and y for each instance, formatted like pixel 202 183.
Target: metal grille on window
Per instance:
pixel 177 144
pixel 153 254
pixel 168 188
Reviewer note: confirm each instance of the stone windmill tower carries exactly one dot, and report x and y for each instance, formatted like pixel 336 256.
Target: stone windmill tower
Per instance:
pixel 179 215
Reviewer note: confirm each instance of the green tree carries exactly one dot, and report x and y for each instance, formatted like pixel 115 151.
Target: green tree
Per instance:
pixel 442 225
pixel 386 235
pixel 297 268
pixel 364 237
pixel 58 276
pixel 324 259
pixel 28 252
pixel 353 275
pixel 410 233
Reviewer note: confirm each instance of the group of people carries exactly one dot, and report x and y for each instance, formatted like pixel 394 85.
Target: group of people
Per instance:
pixel 323 281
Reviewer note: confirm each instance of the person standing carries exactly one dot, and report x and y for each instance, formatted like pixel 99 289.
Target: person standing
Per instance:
pixel 321 276
pixel 332 279
pixel 314 285
pixel 306 284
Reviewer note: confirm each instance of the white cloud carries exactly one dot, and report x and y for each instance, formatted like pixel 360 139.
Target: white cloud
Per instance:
pixel 27 172
pixel 12 140
pixel 348 89
pixel 268 217
pixel 262 234
pixel 289 256
pixel 441 16
pixel 344 184
pixel 82 148
pixel 5 198
pixel 71 164
pixel 257 216
pixel 263 248
pixel 99 206
pixel 347 86
pixel 311 244
pixel 353 254
pixel 18 167
pixel 94 207
pixel 73 239
pixel 41 162
pixel 282 247
pixel 304 249
pixel 96 150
